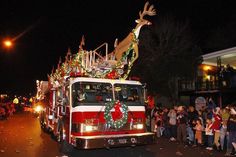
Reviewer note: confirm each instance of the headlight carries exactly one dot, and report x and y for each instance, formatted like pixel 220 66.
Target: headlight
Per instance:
pixel 138 126
pixel 88 128
pixel 38 108
pixel 89 125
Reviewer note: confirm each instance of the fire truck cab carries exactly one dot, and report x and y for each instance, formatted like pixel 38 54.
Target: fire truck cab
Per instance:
pixel 92 113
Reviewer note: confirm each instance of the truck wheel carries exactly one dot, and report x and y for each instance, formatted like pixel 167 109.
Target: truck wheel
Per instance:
pixel 42 124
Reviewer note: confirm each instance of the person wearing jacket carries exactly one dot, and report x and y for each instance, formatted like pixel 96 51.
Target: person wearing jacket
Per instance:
pixel 217 120
pixel 231 130
pixel 181 125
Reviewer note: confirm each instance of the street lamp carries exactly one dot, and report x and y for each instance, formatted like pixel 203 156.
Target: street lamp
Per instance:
pixel 7 43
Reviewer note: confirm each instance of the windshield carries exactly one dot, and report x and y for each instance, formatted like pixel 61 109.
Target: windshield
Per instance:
pixel 129 94
pixel 91 93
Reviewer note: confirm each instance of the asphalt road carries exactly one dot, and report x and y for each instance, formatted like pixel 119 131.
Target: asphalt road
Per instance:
pixel 21 136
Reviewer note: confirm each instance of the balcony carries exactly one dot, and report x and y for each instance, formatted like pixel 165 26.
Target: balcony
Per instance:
pixel 189 85
pixel 197 85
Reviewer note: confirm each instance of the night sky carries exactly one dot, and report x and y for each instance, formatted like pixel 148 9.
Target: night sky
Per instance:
pixel 44 30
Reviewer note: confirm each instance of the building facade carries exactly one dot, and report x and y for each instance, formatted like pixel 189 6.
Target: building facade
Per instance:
pixel 215 79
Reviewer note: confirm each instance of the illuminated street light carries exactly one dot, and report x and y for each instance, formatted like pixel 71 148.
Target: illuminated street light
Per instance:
pixel 7 43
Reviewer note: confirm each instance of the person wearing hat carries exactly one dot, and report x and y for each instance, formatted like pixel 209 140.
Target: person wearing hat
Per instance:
pixel 231 129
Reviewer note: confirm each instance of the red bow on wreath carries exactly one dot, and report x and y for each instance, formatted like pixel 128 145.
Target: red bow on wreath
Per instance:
pixel 117 114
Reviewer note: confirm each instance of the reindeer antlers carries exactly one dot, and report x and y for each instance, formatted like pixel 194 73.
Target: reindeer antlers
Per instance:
pixel 147 11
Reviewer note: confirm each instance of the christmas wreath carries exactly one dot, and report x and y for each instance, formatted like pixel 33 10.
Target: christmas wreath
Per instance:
pixel 119 118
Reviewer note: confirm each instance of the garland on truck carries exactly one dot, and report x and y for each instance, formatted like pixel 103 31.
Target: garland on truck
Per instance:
pixel 75 66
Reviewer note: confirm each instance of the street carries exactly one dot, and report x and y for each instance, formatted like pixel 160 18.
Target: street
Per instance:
pixel 21 136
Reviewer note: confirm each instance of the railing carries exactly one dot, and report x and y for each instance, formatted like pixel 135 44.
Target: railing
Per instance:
pixel 197 85
pixel 207 85
pixel 106 46
pixel 188 85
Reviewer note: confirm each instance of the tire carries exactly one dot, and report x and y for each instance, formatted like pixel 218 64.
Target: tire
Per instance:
pixel 42 122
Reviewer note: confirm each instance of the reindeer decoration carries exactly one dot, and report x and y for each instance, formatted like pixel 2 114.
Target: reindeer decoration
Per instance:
pixel 124 45
pixel 113 65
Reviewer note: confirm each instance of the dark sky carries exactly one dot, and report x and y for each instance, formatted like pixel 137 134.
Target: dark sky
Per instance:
pixel 50 27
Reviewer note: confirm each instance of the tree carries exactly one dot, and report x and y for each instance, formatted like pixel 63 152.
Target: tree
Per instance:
pixel 167 54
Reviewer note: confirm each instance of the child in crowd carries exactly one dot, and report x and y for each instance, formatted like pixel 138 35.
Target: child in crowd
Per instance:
pixel 198 132
pixel 209 134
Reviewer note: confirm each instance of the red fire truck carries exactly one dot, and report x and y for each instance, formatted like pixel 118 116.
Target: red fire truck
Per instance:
pixel 95 113
pixel 88 101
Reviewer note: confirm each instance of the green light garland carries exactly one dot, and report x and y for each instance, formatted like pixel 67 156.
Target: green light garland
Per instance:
pixel 108 117
pixel 66 68
pixel 78 59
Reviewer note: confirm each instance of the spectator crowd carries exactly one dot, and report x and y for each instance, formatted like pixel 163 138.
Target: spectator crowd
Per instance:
pixel 6 110
pixel 211 127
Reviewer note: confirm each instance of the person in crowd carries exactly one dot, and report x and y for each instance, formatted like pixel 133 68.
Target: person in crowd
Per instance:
pixel 216 126
pixel 153 119
pixel 223 134
pixel 209 134
pixel 231 130
pixel 7 110
pixel 198 132
pixel 11 108
pixel 204 115
pixel 225 114
pixel 200 117
pixel 211 104
pixel 165 122
pixel 181 125
pixel 192 117
pixel 159 122
pixel 2 112
pixel 172 124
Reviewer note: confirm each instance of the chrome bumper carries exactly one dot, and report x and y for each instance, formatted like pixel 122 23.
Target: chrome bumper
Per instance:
pixel 109 141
